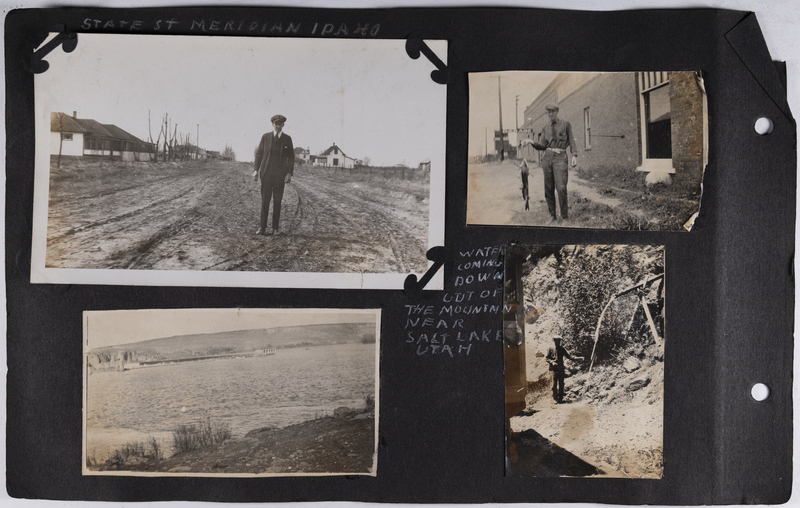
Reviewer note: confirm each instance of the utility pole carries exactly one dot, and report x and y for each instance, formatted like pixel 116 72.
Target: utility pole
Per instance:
pixel 500 108
pixel 516 110
pixel 486 143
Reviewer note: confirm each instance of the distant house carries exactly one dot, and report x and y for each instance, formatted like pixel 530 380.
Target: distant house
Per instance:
pixel 302 154
pixel 425 165
pixel 334 156
pixel 85 137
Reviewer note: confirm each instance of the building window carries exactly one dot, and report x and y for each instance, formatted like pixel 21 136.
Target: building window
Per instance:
pixel 335 161
pixel 587 129
pixel 66 136
pixel 657 115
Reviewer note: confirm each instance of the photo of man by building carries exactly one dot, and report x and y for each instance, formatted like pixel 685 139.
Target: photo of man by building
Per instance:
pixel 606 150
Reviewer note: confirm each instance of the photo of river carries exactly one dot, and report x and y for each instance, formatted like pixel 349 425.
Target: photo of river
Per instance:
pixel 276 378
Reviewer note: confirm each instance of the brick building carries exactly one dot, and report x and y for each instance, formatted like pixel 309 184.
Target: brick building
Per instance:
pixel 646 121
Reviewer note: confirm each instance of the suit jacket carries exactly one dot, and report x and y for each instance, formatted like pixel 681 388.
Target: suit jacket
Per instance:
pixel 284 165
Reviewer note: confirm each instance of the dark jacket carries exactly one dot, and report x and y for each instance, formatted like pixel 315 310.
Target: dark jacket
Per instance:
pixel 284 165
pixel 555 357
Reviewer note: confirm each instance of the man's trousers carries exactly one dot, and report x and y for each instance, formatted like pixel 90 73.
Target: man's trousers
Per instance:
pixel 271 187
pixel 556 173
pixel 558 384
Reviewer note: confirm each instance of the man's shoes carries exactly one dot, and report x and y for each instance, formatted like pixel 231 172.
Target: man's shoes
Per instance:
pixel 277 232
pixel 260 232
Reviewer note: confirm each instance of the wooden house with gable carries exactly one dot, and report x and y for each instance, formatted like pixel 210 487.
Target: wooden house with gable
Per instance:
pixel 84 137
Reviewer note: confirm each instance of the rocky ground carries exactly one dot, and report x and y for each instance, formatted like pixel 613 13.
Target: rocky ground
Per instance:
pixel 203 215
pixel 343 443
pixel 494 197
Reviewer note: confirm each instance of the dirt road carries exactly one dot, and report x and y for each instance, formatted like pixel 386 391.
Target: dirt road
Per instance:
pixel 495 198
pixel 203 215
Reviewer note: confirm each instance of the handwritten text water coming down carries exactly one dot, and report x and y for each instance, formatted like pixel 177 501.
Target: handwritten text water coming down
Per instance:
pixel 465 319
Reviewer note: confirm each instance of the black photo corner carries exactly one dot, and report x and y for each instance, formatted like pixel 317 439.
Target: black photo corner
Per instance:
pixel 445 403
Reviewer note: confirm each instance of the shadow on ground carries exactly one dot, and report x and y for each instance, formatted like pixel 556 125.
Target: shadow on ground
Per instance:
pixel 530 454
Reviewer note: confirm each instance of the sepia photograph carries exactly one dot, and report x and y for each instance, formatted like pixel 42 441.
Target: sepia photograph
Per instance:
pixel 598 150
pixel 584 360
pixel 231 392
pixel 238 161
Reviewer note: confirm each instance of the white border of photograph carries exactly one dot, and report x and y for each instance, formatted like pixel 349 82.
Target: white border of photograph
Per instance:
pixel 348 280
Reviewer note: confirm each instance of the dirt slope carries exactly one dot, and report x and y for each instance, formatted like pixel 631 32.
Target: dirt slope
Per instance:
pixel 203 216
pixel 332 444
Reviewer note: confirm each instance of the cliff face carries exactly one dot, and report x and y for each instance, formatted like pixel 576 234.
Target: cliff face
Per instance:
pixel 566 290
pixel 116 360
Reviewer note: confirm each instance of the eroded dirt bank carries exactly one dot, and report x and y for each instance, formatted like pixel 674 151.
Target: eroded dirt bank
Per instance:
pixel 331 444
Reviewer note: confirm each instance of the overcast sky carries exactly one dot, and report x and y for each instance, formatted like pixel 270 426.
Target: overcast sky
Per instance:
pixel 483 103
pixel 109 328
pixel 367 96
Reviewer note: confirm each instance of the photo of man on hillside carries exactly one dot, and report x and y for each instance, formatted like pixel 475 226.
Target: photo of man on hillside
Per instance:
pixel 584 367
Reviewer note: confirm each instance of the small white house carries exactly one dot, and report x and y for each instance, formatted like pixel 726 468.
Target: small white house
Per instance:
pixel 302 154
pixel 334 156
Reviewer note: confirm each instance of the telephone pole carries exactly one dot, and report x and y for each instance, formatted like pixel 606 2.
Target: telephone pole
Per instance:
pixel 500 108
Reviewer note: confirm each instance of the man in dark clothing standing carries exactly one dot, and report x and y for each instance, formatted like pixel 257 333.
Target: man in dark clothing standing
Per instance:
pixel 557 137
pixel 555 357
pixel 274 164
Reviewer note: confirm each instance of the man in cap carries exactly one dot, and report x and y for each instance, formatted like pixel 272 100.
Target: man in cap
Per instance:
pixel 555 357
pixel 556 138
pixel 274 164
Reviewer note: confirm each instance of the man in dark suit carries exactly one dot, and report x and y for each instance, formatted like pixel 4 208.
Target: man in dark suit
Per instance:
pixel 555 358
pixel 274 164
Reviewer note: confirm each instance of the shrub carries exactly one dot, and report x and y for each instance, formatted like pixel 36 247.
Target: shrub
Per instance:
pixel 187 438
pixel 155 446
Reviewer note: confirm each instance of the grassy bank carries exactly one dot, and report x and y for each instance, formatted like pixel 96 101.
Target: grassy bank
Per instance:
pixel 341 443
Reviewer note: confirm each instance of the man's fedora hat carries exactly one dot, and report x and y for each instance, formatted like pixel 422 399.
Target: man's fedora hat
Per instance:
pixel 278 118
pixel 551 107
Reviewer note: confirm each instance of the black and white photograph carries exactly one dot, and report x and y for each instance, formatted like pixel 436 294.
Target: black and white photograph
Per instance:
pixel 584 360
pixel 597 150
pixel 238 161
pixel 231 392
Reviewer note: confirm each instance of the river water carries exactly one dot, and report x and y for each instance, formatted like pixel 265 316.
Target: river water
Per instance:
pixel 290 387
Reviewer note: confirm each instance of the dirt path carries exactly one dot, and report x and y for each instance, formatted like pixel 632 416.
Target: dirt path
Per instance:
pixel 622 440
pixel 494 197
pixel 203 216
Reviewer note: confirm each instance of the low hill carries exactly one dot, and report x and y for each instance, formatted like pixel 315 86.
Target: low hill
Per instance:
pixel 209 344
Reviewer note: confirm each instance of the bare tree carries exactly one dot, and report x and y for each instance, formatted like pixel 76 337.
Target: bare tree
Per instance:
pixel 150 134
pixel 60 138
pixel 229 153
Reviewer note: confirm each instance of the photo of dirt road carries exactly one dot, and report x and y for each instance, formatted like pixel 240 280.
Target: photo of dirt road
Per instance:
pixel 200 215
pixel 592 316
pixel 238 161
